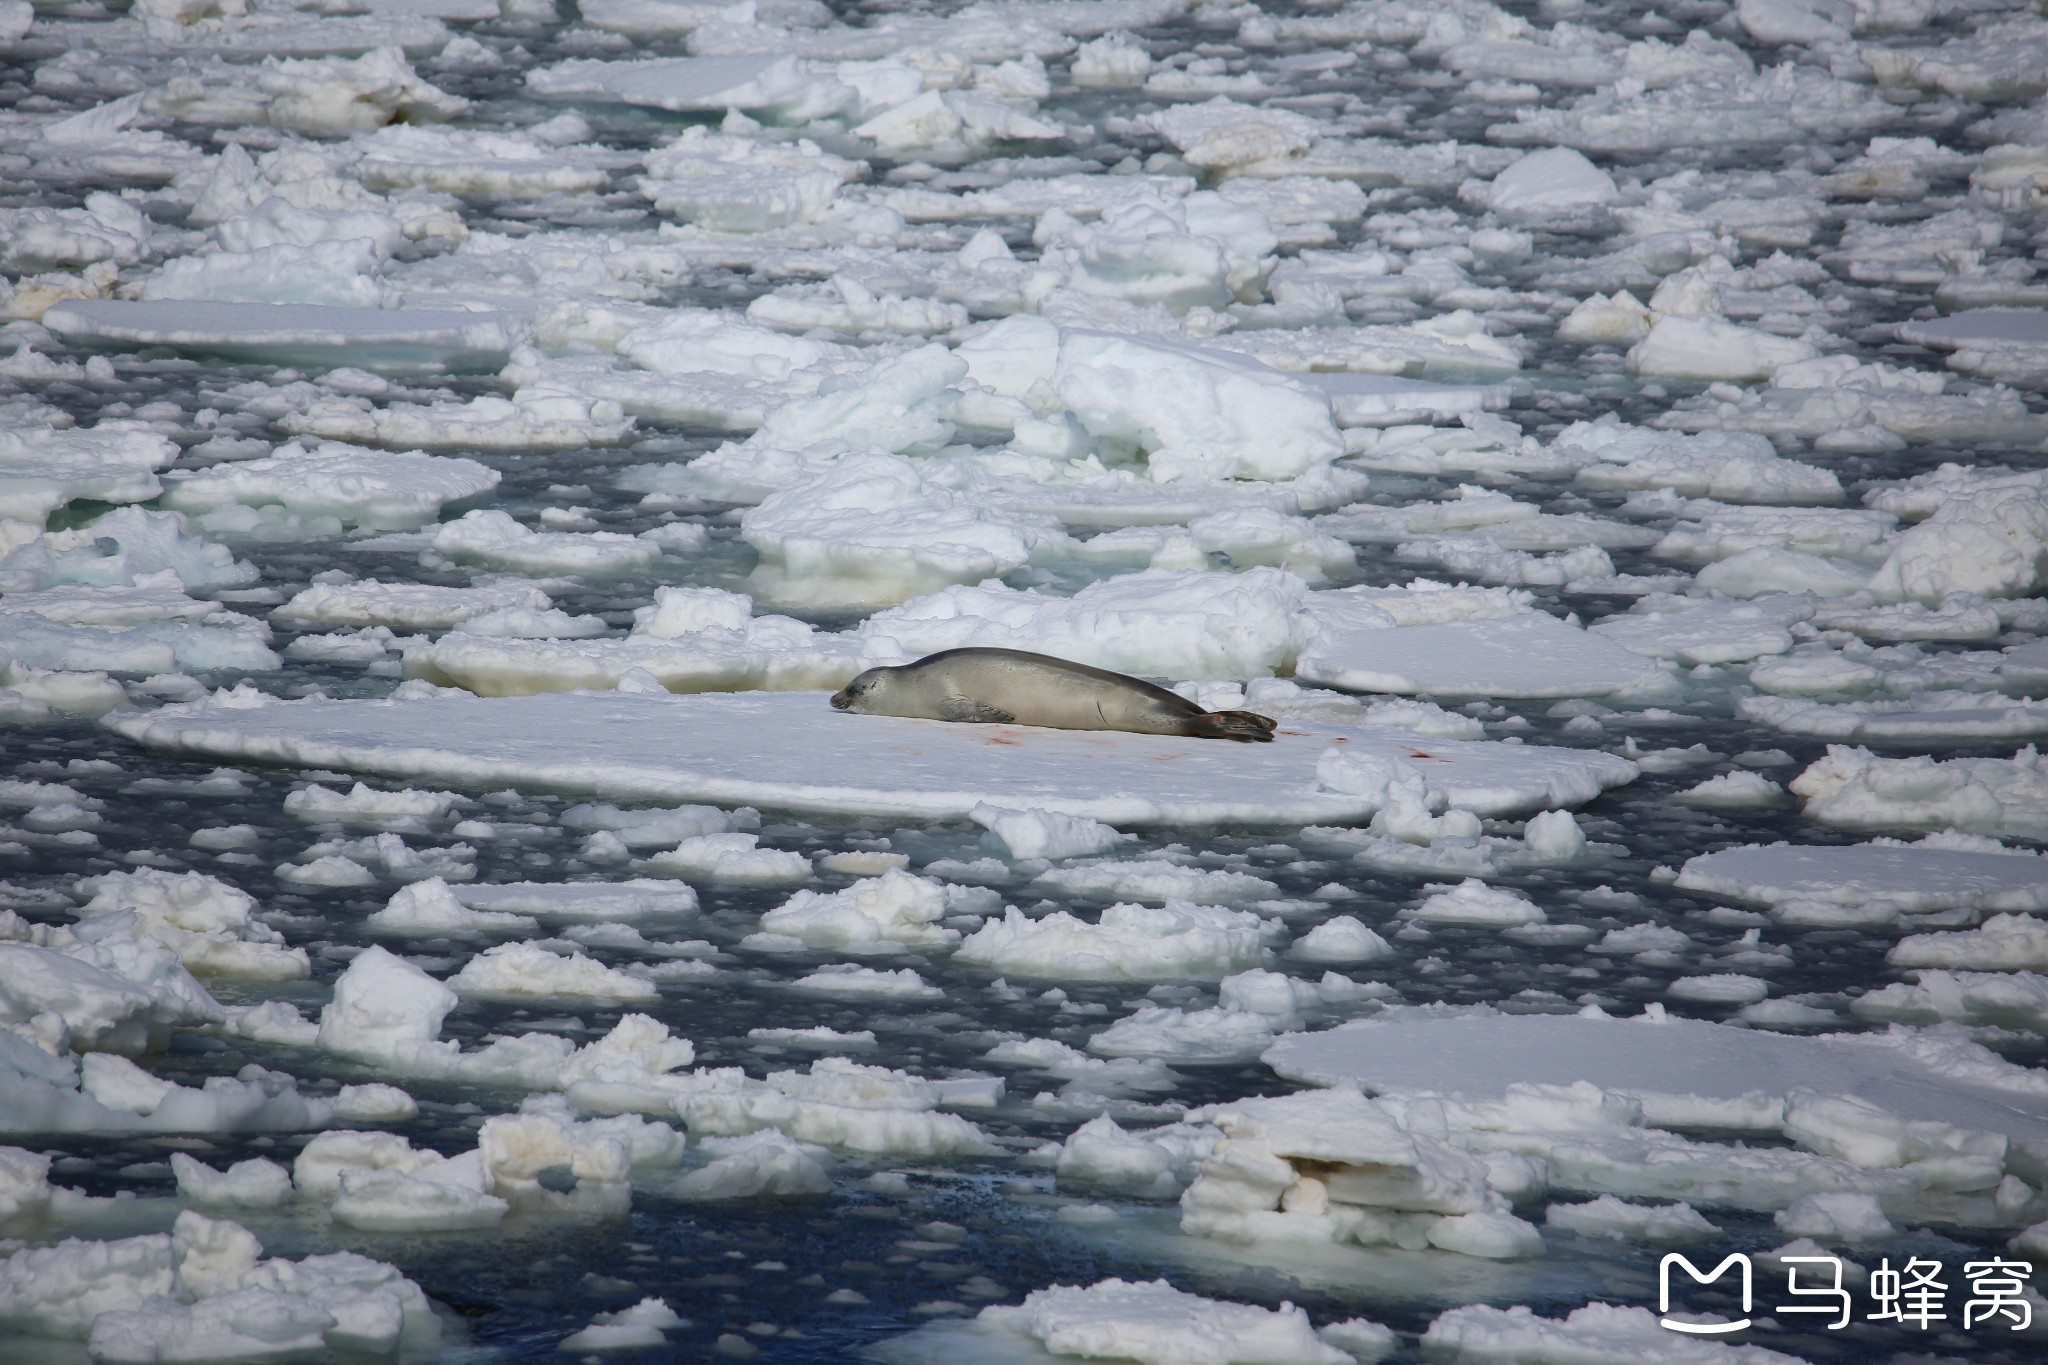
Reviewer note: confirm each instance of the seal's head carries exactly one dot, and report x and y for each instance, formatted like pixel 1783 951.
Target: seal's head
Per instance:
pixel 859 695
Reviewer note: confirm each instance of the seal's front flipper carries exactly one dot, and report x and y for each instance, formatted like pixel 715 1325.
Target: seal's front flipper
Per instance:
pixel 974 712
pixel 1248 726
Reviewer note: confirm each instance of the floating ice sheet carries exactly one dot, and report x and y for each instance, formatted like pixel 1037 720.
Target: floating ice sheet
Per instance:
pixel 461 161
pixel 1913 877
pixel 2009 344
pixel 1384 400
pixel 1711 633
pixel 791 751
pixel 42 468
pixel 595 902
pixel 1530 655
pixel 1852 788
pixel 1981 327
pixel 385 490
pixel 1480 1056
pixel 1119 497
pixel 1932 718
pixel 295 333
pixel 771 84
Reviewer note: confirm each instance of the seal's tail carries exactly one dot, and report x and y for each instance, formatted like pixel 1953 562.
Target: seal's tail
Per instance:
pixel 1248 726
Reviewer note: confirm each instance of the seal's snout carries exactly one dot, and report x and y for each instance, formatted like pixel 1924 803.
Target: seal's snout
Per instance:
pixel 841 700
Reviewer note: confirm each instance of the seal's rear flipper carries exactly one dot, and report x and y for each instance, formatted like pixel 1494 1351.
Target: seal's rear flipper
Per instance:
pixel 1249 726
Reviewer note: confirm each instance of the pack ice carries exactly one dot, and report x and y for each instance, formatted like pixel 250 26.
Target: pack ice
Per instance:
pixel 450 449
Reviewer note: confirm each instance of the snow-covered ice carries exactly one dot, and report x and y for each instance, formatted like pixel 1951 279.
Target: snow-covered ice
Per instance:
pixel 361 487
pixel 1852 788
pixel 1128 942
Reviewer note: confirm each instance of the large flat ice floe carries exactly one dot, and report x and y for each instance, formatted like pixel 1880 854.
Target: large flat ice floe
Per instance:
pixel 1531 654
pixel 793 752
pixel 2010 344
pixel 1674 1066
pixel 1931 719
pixel 1874 882
pixel 301 333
